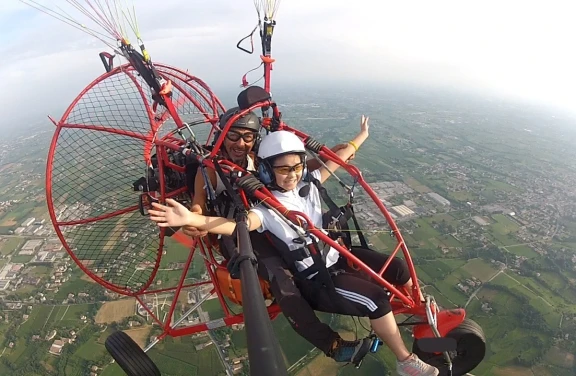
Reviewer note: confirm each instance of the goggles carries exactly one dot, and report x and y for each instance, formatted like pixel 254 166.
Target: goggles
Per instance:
pixel 285 170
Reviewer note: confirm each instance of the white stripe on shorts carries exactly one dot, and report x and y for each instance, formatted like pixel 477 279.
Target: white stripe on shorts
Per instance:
pixel 357 298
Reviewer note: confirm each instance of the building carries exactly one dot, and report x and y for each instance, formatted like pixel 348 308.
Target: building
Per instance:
pixel 37 228
pixel 56 347
pixel 409 203
pixel 237 368
pixel 402 210
pixel 481 221
pixel 203 345
pixel 439 199
pixel 53 247
pixel 32 245
pixel 28 222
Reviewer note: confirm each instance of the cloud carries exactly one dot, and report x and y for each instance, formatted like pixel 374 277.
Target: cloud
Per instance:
pixel 515 48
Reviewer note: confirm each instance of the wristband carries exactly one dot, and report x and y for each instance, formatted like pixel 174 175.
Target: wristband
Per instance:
pixel 354 145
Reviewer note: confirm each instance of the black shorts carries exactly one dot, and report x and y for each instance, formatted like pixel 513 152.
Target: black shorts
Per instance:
pixel 356 293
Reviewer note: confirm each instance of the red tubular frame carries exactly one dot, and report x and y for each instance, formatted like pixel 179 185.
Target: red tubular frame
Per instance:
pixel 402 302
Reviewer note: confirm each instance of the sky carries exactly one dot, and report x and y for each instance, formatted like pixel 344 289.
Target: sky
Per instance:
pixel 513 49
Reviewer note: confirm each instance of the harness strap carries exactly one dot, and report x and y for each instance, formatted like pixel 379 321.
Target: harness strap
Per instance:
pixel 290 257
pixel 338 216
pixel 324 194
pixel 363 241
pixel 325 250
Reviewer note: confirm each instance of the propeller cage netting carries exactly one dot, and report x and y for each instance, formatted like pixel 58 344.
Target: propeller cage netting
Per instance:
pixel 101 146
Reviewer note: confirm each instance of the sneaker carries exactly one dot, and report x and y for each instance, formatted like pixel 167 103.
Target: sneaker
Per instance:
pixel 350 351
pixel 413 366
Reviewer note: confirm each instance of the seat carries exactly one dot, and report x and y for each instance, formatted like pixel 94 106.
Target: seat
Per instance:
pixel 232 288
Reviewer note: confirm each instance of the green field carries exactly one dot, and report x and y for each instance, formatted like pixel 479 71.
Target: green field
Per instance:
pixel 523 250
pixel 480 269
pixel 214 308
pixel 91 350
pixel 449 241
pixel 436 269
pixel 293 345
pixel 554 280
pixel 238 338
pixel 425 231
pixel 502 324
pixel 38 270
pixel 39 319
pixel 371 365
pixel 445 274
pixel 422 275
pixel 174 358
pixel 504 280
pixel 443 301
pixel 416 185
pixel 462 196
pixel 448 288
pixel 70 317
pixel 383 241
pixel 542 299
pixel 9 245
pixel 73 286
pixel 21 259
pixel 454 263
pixel 500 186
pixel 169 278
pixel 17 215
pixel 504 225
pixel 443 217
pixel 175 252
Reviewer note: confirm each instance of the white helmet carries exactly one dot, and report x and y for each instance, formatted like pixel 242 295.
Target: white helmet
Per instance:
pixel 279 143
pixel 276 144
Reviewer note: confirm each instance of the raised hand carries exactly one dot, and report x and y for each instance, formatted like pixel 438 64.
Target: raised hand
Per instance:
pixel 364 126
pixel 174 215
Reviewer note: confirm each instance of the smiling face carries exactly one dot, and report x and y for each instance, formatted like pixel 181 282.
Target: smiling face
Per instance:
pixel 238 143
pixel 288 170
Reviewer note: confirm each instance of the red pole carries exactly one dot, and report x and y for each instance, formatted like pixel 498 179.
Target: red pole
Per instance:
pixel 267 51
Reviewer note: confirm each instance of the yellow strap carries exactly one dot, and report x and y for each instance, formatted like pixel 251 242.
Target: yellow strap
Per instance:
pixel 353 144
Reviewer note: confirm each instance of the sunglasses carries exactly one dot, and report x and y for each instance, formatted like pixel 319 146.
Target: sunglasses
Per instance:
pixel 285 170
pixel 235 136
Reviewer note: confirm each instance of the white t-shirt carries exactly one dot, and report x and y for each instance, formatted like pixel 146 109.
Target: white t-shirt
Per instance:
pixel 310 205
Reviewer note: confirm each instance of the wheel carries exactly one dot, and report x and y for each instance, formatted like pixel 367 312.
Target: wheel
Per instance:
pixel 470 350
pixel 129 356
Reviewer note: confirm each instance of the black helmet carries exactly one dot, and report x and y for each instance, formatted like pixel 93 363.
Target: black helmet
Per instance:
pixel 249 121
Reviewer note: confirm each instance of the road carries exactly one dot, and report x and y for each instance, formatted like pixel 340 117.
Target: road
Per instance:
pixel 302 360
pixel 512 278
pixel 529 289
pixel 26 236
pixel 307 356
pixel 220 351
pixel 480 288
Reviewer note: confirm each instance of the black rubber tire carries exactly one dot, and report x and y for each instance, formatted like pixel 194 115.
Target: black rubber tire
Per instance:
pixel 129 356
pixel 470 350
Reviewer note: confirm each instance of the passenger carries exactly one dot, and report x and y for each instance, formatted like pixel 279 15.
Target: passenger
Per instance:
pixel 282 159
